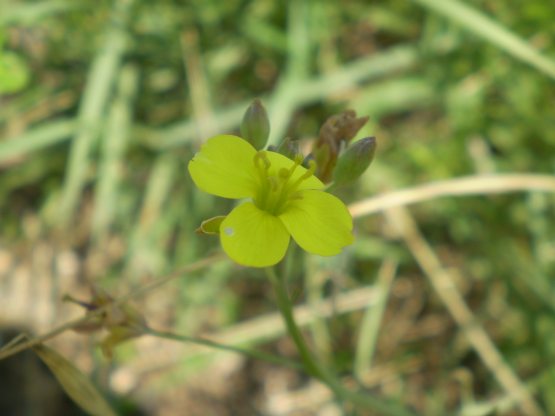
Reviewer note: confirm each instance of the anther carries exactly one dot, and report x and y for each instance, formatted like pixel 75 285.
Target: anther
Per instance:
pixel 261 160
pixel 298 160
pixel 310 171
pixel 284 173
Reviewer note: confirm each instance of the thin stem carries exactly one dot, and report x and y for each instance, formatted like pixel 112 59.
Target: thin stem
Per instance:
pixel 260 355
pixel 311 365
pixel 198 265
pixel 286 310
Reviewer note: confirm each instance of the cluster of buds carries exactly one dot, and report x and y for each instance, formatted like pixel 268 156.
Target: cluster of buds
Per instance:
pixel 338 161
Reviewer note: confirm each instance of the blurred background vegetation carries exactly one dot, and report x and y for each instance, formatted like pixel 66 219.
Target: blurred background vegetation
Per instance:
pixel 103 104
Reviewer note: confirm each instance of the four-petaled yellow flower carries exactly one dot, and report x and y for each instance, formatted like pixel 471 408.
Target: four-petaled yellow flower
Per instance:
pixel 285 199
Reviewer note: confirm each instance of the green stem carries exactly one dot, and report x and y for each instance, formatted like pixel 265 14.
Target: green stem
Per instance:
pixel 312 366
pixel 260 355
pixel 15 346
pixel 286 310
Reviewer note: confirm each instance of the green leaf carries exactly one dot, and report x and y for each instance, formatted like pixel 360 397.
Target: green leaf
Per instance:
pixel 14 73
pixel 74 382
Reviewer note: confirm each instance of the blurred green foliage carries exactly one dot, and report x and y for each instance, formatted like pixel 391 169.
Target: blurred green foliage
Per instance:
pixel 104 102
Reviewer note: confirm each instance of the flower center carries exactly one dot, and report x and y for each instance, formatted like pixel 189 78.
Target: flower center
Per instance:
pixel 277 188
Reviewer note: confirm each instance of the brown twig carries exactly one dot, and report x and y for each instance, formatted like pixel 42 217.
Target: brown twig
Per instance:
pixel 446 290
pixel 470 185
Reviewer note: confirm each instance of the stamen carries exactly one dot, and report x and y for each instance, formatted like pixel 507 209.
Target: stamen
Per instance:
pixel 277 189
pixel 309 172
pixel 261 161
pixel 311 168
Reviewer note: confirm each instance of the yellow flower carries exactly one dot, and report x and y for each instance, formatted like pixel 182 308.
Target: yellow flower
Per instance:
pixel 285 199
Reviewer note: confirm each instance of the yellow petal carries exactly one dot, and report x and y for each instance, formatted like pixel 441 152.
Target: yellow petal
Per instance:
pixel 252 237
pixel 224 167
pixel 278 161
pixel 319 222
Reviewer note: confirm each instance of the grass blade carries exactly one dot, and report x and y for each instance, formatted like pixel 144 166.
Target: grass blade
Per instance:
pixel 488 29
pixel 37 139
pixel 74 382
pixel 100 81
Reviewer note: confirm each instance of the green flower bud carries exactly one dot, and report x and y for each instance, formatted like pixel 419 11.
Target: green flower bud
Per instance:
pixel 255 127
pixel 354 161
pixel 336 132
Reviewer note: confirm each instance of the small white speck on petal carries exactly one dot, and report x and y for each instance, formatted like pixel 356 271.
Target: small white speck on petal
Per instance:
pixel 229 231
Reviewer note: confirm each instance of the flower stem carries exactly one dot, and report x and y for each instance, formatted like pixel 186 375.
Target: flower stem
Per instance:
pixel 286 310
pixel 313 367
pixel 259 355
pixel 17 346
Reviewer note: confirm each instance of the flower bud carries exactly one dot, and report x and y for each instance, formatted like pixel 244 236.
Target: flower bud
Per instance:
pixel 354 161
pixel 255 127
pixel 337 131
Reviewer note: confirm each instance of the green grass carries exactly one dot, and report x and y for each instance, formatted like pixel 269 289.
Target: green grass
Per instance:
pixel 94 148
